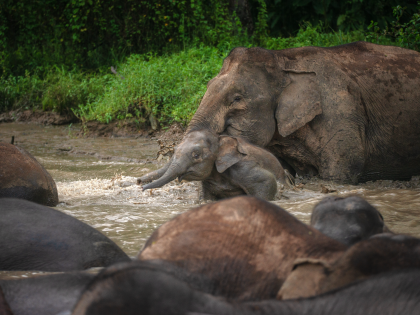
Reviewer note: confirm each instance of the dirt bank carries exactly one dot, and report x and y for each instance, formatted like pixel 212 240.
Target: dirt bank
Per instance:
pixel 167 138
pixel 121 128
pixel 38 117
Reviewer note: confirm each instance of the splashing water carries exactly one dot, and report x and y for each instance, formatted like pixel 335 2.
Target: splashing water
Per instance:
pixel 96 182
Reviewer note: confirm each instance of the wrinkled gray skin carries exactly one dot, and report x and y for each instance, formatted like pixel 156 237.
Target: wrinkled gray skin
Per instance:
pixel 227 167
pixel 349 113
pixel 127 289
pixel 45 295
pixel 347 220
pixel 4 307
pixel 35 237
pixel 379 254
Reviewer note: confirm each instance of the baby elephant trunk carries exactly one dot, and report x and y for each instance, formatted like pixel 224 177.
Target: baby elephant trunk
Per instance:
pixel 153 175
pixel 172 173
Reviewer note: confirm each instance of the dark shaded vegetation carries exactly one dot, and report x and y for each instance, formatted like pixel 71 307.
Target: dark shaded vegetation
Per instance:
pixel 56 54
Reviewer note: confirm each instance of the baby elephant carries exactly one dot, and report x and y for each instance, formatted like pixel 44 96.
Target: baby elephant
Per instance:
pixel 347 220
pixel 227 167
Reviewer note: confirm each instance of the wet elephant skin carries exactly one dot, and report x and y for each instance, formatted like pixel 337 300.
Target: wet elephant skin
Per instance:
pixel 46 294
pixel 379 254
pixel 133 288
pixel 347 220
pixel 35 237
pixel 4 307
pixel 227 167
pixel 350 113
pixel 22 176
pixel 245 245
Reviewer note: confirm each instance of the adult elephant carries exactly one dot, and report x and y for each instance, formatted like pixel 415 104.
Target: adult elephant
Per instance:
pixel 246 247
pixel 22 176
pixel 363 260
pixel 35 237
pixel 45 294
pixel 4 307
pixel 348 113
pixel 133 288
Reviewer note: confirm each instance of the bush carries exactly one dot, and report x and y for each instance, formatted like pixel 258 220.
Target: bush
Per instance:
pixel 59 90
pixel 406 35
pixel 66 91
pixel 169 87
pixel 86 34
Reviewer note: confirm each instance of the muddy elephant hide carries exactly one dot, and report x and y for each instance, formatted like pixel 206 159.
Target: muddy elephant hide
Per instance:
pixel 348 113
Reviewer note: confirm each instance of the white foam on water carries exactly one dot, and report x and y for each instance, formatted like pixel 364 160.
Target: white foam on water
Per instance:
pixel 124 190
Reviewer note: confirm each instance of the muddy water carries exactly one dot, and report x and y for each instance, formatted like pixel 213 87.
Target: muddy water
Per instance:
pixel 96 184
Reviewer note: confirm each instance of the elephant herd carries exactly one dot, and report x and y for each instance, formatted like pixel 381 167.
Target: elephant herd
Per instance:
pixel 349 113
pixel 241 255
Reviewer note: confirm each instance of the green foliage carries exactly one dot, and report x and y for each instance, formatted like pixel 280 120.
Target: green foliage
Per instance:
pixel 405 34
pixel 310 35
pixel 65 91
pixel 169 87
pixel 408 34
pixel 20 92
pixel 59 90
pixel 286 16
pixel 167 50
pixel 86 34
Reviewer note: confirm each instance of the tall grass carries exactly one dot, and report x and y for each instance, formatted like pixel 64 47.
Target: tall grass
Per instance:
pixel 169 87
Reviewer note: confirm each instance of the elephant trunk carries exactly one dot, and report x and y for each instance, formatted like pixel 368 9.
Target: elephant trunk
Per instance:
pixel 172 172
pixel 204 119
pixel 154 175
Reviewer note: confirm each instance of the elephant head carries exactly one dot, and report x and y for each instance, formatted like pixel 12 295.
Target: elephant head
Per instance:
pixel 256 91
pixel 193 159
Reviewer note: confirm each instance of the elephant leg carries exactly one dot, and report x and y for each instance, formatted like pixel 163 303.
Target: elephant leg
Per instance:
pixel 205 192
pixel 343 158
pixel 254 180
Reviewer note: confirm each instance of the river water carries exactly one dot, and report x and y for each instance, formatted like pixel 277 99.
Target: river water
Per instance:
pixel 96 182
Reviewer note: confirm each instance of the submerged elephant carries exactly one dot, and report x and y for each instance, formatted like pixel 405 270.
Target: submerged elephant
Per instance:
pixel 35 237
pixel 45 294
pixel 348 113
pixel 244 245
pixel 347 220
pixel 227 167
pixel 133 288
pixel 379 254
pixel 22 176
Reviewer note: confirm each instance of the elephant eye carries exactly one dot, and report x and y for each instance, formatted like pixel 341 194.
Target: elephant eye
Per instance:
pixel 195 155
pixel 237 98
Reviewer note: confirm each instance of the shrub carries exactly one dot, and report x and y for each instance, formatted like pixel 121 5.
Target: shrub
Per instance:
pixel 169 87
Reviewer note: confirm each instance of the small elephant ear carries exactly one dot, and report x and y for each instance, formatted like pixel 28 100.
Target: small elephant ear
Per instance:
pixel 242 145
pixel 299 102
pixel 228 153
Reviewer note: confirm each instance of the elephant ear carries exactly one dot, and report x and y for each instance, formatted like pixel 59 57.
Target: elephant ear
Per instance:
pixel 242 145
pixel 304 280
pixel 228 153
pixel 299 102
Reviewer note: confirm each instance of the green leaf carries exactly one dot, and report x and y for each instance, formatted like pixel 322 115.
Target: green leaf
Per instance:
pixel 341 19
